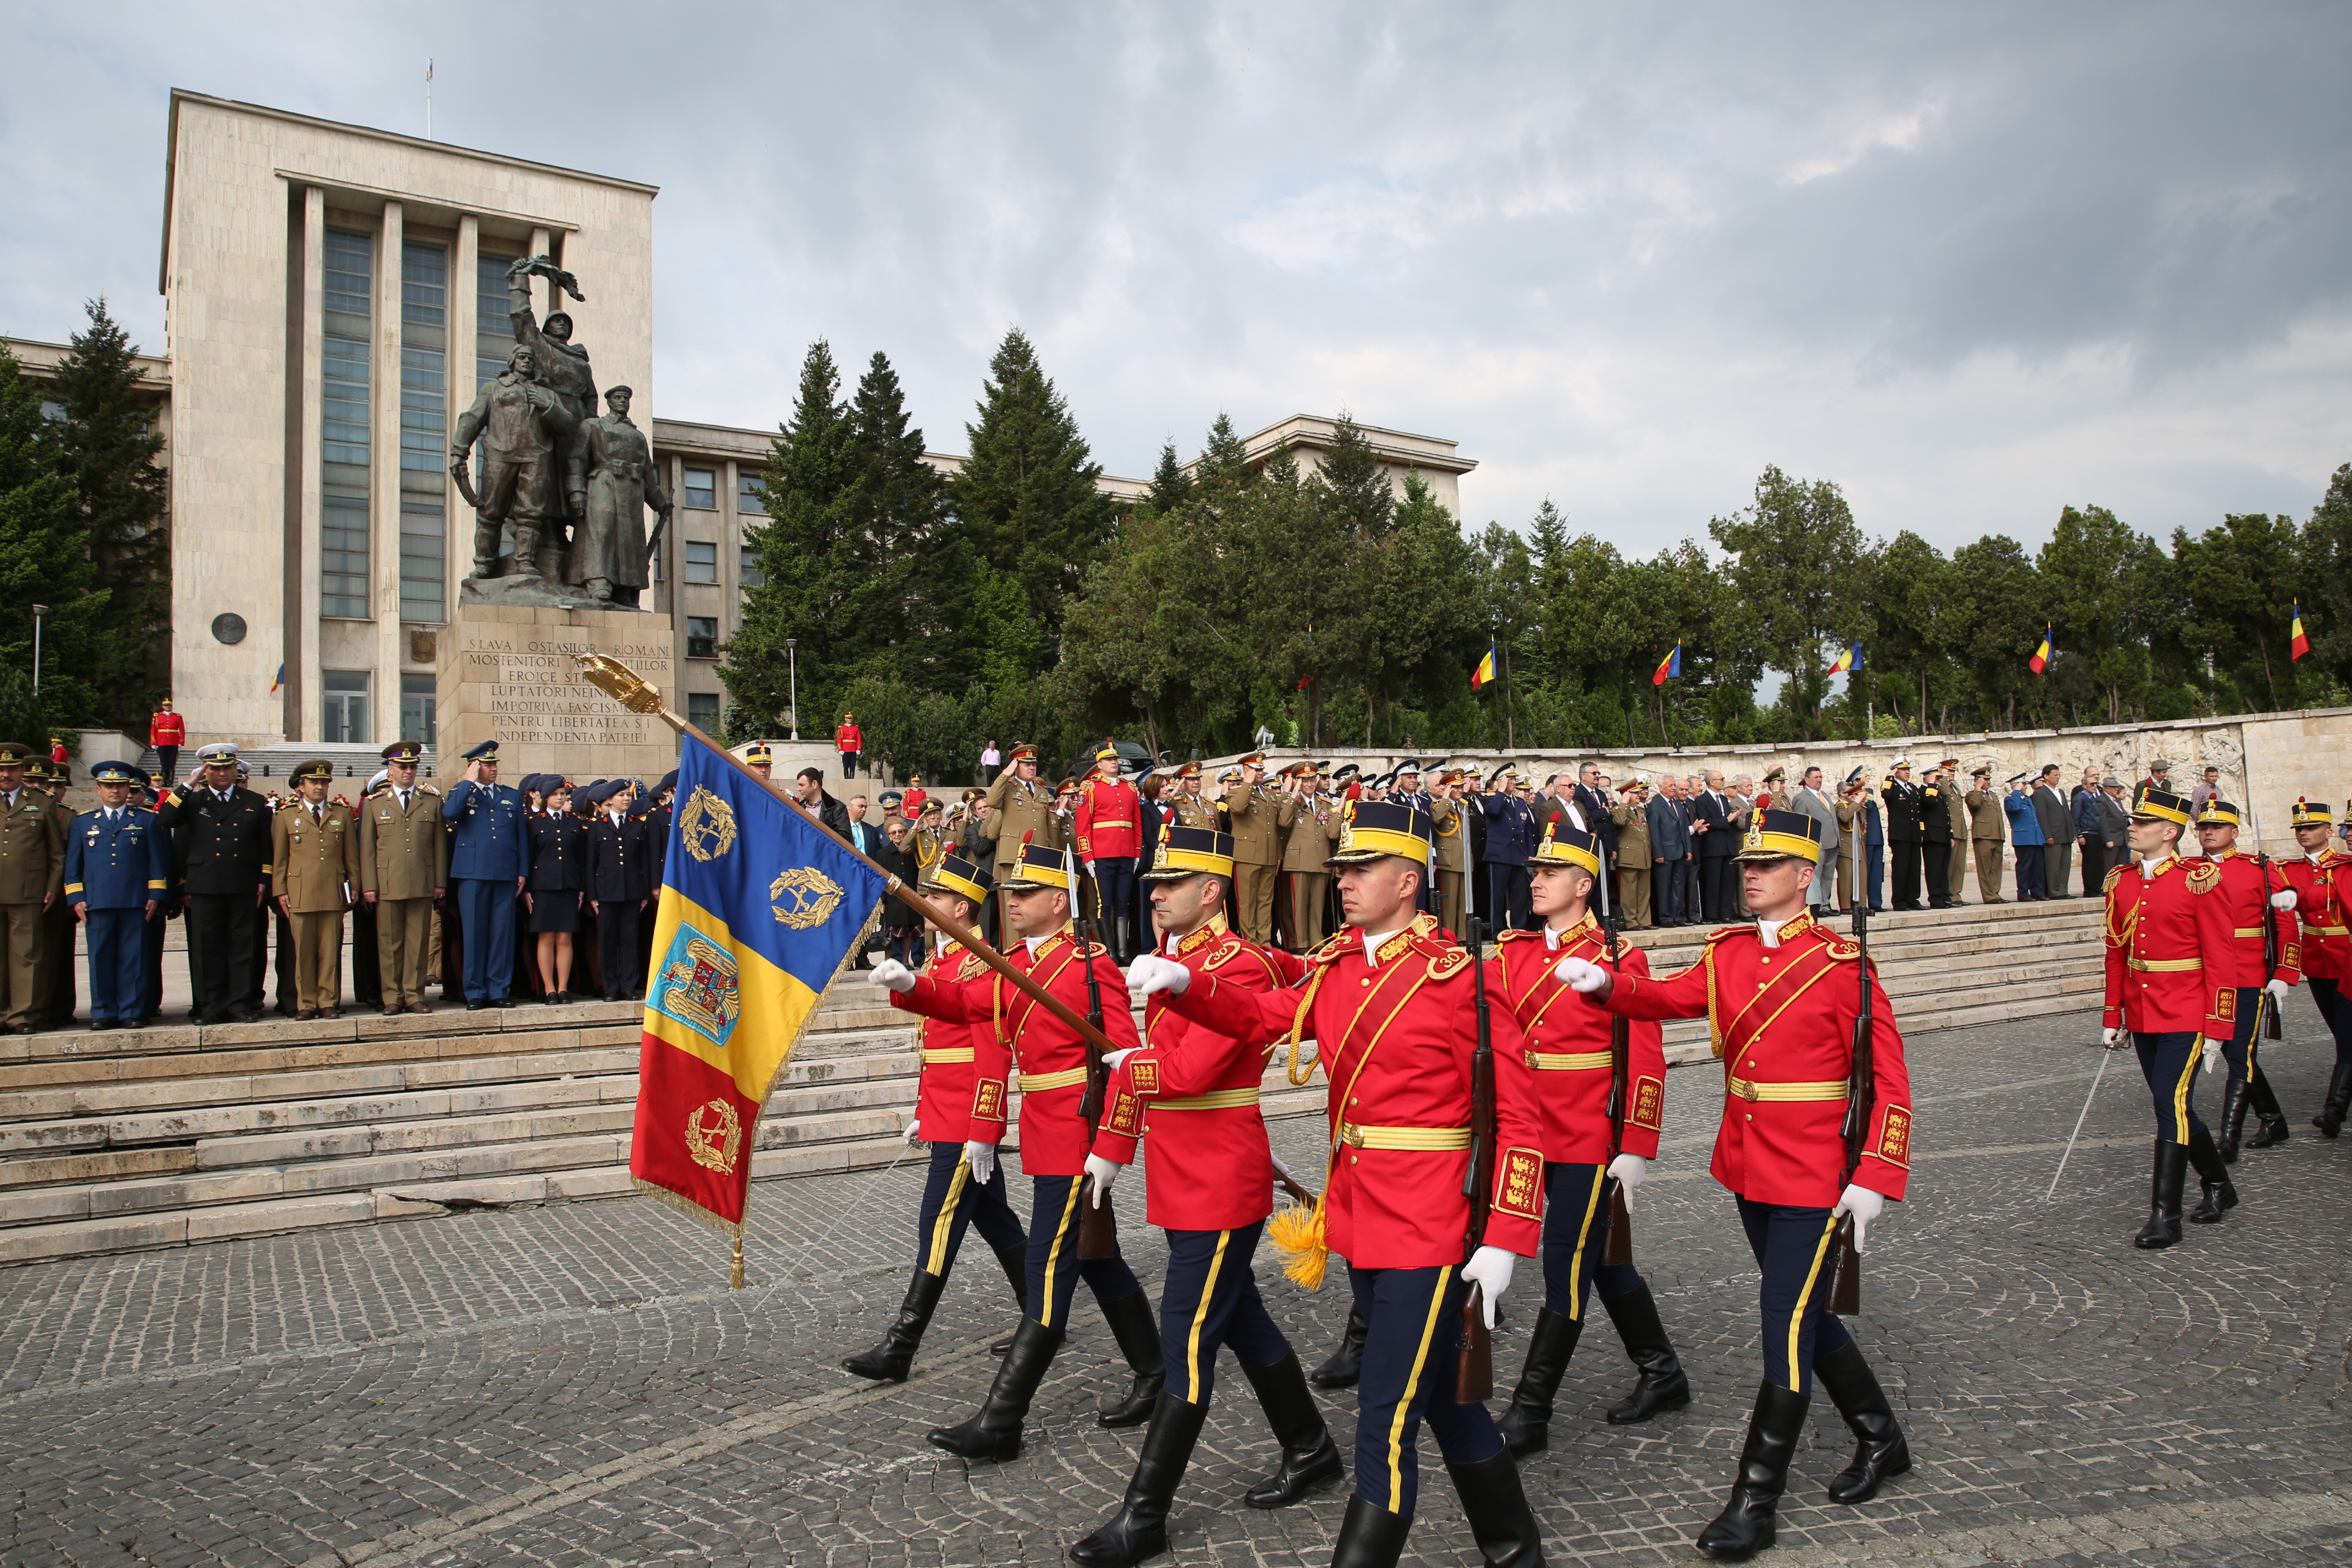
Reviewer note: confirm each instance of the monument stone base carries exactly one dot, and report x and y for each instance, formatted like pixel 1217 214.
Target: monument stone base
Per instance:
pixel 507 675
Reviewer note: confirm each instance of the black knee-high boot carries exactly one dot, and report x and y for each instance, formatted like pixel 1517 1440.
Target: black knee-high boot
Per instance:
pixel 1527 1423
pixel 1750 1520
pixel 2163 1226
pixel 1015 1261
pixel 1137 1328
pixel 888 1362
pixel 2214 1176
pixel 1663 1386
pixel 1140 1529
pixel 2232 1119
pixel 1880 1451
pixel 1309 1458
pixel 1346 1364
pixel 995 1432
pixel 2330 1119
pixel 1496 1507
pixel 2273 1128
pixel 1370 1535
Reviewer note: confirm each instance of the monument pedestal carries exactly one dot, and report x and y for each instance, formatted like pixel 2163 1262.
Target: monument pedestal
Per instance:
pixel 507 674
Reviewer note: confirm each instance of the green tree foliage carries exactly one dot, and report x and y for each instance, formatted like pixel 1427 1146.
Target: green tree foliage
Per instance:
pixel 45 558
pixel 1798 586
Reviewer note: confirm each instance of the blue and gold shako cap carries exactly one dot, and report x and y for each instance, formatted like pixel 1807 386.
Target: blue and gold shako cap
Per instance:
pixel 2308 814
pixel 1564 845
pixel 2160 806
pixel 1778 834
pixel 1037 868
pixel 1191 851
pixel 403 751
pixel 1375 828
pixel 316 768
pixel 2219 813
pixel 956 874
pixel 757 752
pixel 487 751
pixel 113 772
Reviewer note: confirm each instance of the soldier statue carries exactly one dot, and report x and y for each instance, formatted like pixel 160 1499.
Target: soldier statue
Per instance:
pixel 611 481
pixel 521 425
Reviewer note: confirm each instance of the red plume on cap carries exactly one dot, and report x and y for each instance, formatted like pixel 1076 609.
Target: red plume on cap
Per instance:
pixel 1026 836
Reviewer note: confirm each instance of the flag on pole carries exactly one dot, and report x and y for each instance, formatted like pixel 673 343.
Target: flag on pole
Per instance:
pixel 2299 643
pixel 1486 667
pixel 2048 650
pixel 1669 667
pixel 759 906
pixel 279 684
pixel 1847 661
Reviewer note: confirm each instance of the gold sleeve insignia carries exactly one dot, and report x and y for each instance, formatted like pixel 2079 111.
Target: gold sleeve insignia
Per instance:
pixel 2115 875
pixel 988 1101
pixel 1894 1137
pixel 1649 1103
pixel 973 967
pixel 1125 1116
pixel 2291 957
pixel 2225 1003
pixel 1446 965
pixel 1518 1184
pixel 2204 877
pixel 1144 1074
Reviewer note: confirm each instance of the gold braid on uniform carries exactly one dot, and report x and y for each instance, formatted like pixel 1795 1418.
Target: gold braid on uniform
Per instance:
pixel 1298 1026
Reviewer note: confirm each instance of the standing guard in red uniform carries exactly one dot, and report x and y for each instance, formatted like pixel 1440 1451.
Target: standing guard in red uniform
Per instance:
pixel 2321 882
pixel 1108 827
pixel 2169 963
pixel 1570 1055
pixel 2265 960
pixel 1781 999
pixel 960 1108
pixel 1053 1141
pixel 1193 1094
pixel 1392 1007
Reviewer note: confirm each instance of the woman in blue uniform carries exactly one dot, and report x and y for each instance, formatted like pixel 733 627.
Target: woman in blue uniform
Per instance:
pixel 555 885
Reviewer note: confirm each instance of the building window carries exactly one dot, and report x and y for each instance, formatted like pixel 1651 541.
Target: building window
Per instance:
pixel 702 710
pixel 701 562
pixel 420 708
pixel 493 333
pixel 423 547
pixel 702 490
pixel 750 497
pixel 347 706
pixel 350 271
pixel 424 430
pixel 344 424
pixel 751 575
pixel 702 636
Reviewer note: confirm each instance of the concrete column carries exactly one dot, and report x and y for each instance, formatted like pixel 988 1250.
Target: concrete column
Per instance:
pixel 383 483
pixel 464 323
pixel 307 720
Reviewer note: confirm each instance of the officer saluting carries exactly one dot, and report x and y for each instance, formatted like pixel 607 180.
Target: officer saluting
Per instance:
pixel 222 831
pixel 1020 811
pixel 118 868
pixel 1781 999
pixel 1191 808
pixel 404 871
pixel 1907 813
pixel 1392 1008
pixel 486 873
pixel 1259 815
pixel 315 852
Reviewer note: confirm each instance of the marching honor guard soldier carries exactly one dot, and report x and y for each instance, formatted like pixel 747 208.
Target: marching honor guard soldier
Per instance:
pixel 221 834
pixel 1393 1008
pixel 1782 998
pixel 2321 878
pixel 1108 830
pixel 959 1111
pixel 118 869
pixel 1586 1146
pixel 314 850
pixel 486 874
pixel 1193 1094
pixel 1258 814
pixel 2265 959
pixel 1055 1136
pixel 403 871
pixel 2168 957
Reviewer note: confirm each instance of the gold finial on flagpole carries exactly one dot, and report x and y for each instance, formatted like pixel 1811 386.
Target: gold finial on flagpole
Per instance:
pixel 624 686
pixel 735 1270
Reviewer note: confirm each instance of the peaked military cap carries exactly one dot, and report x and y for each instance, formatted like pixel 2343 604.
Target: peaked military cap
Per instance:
pixel 1191 851
pixel 1106 752
pixel 220 753
pixel 1567 846
pixel 487 751
pixel 316 768
pixel 1190 770
pixel 1375 829
pixel 1504 771
pixel 1022 751
pixel 112 771
pixel 13 755
pixel 403 751
pixel 2161 806
pixel 956 874
pixel 1347 771
pixel 1782 834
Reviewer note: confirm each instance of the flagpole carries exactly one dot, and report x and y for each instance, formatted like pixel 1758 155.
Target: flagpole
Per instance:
pixel 622 684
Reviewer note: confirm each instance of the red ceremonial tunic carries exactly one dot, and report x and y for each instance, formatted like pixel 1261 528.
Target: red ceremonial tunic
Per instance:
pixel 1193 1093
pixel 1782 1018
pixel 2322 893
pixel 2169 951
pixel 961 1097
pixel 1051 1054
pixel 1108 822
pixel 167 729
pixel 2245 895
pixel 1568 1050
pixel 1395 1038
pixel 847 739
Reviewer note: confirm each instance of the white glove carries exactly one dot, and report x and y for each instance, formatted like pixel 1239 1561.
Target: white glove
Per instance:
pixel 981 1158
pixel 1102 1173
pixel 1629 1172
pixel 1279 1168
pixel 913 1130
pixel 2282 900
pixel 1151 973
pixel 1490 1266
pixel 1580 975
pixel 2278 990
pixel 1112 1059
pixel 1865 1206
pixel 895 975
pixel 2213 1053
pixel 2111 1038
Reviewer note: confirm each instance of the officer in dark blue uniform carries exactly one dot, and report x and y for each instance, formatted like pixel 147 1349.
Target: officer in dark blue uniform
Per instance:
pixel 118 870
pixel 618 888
pixel 220 831
pixel 485 873
pixel 1510 841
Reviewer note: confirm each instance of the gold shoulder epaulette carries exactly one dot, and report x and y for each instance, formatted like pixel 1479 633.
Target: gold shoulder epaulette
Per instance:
pixel 1224 953
pixel 289 803
pixel 1721 934
pixel 1516 935
pixel 1330 947
pixel 1091 950
pixel 2204 877
pixel 423 789
pixel 172 798
pixel 2115 875
pixel 1448 963
pixel 973 967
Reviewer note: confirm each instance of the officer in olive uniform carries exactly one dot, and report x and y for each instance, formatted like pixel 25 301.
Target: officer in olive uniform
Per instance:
pixel 53 977
pixel 1987 833
pixel 314 853
pixel 404 858
pixel 1259 814
pixel 1021 810
pixel 221 834
pixel 1190 806
pixel 1936 802
pixel 1314 829
pixel 118 869
pixel 486 873
pixel 1452 847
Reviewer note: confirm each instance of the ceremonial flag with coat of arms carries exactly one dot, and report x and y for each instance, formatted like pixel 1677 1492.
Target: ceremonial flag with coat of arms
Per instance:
pixel 759 906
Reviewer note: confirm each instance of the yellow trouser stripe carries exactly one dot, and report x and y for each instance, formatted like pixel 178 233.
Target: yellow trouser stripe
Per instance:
pixel 1416 1138
pixel 932 1057
pixel 2180 1089
pixel 1217 1099
pixel 1053 1254
pixel 1835 1088
pixel 1404 1400
pixel 936 1261
pixel 1038 1083
pixel 1797 1317
pixel 1200 1316
pixel 1568 1061
pixel 1583 1237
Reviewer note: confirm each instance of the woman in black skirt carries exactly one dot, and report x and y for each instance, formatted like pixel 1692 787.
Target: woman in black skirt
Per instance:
pixel 553 890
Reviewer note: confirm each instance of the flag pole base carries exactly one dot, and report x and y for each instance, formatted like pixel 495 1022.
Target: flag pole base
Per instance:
pixel 735 1270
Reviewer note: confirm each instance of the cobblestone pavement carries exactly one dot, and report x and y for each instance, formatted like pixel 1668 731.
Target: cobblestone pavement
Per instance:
pixel 574 1386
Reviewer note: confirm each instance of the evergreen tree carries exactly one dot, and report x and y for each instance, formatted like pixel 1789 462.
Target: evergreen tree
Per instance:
pixel 1797 559
pixel 2324 557
pixel 1026 501
pixel 45 558
pixel 913 615
pixel 1172 487
pixel 1351 472
pixel 1223 469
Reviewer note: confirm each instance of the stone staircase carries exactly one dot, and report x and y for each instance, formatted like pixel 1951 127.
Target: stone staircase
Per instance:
pixel 165 1136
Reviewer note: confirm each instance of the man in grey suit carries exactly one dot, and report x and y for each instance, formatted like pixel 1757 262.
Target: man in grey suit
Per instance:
pixel 1670 847
pixel 2057 830
pixel 1809 800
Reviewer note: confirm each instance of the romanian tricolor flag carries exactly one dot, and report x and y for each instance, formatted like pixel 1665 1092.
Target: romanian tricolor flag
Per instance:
pixel 1487 667
pixel 1851 660
pixel 2043 654
pixel 1669 667
pixel 277 684
pixel 759 906
pixel 2297 643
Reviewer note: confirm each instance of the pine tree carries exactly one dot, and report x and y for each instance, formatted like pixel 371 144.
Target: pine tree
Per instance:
pixel 45 558
pixel 1026 501
pixel 1172 487
pixel 912 616
pixel 1351 472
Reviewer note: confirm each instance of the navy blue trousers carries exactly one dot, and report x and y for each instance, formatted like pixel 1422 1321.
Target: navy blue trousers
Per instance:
pixel 1054 1265
pixel 953 1200
pixel 1575 1234
pixel 2242 1053
pixel 2170 1063
pixel 2032 878
pixel 486 911
pixel 118 963
pixel 1412 1341
pixel 1793 1246
pixel 1114 886
pixel 1210 1299
pixel 2329 997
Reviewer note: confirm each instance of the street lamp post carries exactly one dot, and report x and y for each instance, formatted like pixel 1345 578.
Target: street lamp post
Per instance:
pixel 791 664
pixel 39 611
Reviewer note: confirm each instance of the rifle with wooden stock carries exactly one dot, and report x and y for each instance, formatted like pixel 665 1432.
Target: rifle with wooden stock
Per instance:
pixel 1474 1378
pixel 2266 1013
pixel 1619 1247
pixel 1861 1096
pixel 1097 1227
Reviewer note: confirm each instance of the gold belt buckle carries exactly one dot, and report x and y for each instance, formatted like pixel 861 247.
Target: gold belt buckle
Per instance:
pixel 1351 1135
pixel 1746 1090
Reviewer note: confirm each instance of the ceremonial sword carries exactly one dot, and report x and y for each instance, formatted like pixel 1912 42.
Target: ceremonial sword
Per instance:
pixel 2105 1052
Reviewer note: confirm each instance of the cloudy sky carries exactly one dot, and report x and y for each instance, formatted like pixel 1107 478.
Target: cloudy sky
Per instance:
pixel 1972 268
